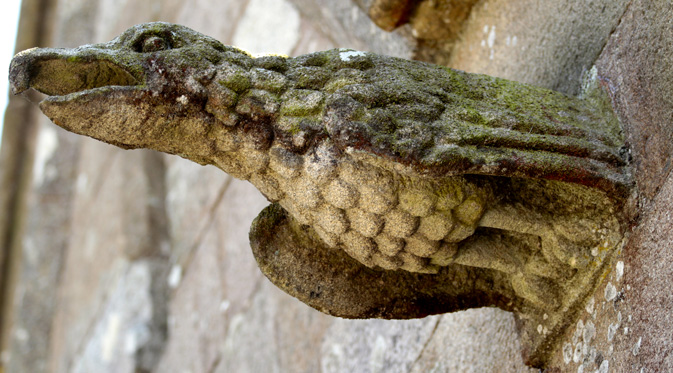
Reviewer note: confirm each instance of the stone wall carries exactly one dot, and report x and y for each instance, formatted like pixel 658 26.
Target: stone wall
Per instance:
pixel 127 261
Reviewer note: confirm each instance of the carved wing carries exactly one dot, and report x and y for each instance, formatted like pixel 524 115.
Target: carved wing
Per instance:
pixel 439 121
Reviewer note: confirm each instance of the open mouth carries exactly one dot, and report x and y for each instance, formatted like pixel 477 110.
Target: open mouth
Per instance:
pixel 61 76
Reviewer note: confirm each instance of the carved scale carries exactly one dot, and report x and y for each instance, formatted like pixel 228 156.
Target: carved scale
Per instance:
pixel 400 189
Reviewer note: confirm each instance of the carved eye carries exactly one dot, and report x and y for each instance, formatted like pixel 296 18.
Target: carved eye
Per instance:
pixel 154 44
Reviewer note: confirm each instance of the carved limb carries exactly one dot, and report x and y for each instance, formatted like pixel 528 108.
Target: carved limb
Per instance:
pixel 329 280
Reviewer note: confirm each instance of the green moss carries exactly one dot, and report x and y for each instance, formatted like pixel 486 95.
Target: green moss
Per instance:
pixel 301 102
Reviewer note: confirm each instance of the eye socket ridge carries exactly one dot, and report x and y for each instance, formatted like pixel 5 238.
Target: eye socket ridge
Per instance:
pixel 151 42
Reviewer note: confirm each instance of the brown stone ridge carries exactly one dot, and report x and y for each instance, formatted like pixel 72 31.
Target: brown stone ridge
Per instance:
pixel 435 20
pixel 648 297
pixel 637 64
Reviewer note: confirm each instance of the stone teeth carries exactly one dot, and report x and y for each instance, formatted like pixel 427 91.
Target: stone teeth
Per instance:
pixel 268 186
pixel 417 202
pixel 329 238
pixel 331 219
pixel 413 263
pixel 376 201
pixel 297 213
pixel 400 224
pixel 389 245
pixel 436 226
pixel 444 256
pixel 358 174
pixel 364 222
pixel 387 262
pixel 359 247
pixel 450 198
pixel 341 195
pixel 470 211
pixel 459 232
pixel 357 207
pixel 420 245
pixel 305 194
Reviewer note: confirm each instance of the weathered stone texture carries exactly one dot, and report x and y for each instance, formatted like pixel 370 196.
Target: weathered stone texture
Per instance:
pixel 627 326
pixel 158 275
pixel 647 296
pixel 637 66
pixel 548 44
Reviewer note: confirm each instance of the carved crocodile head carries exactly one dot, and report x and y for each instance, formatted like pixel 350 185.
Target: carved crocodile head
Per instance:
pixel 443 190
pixel 147 81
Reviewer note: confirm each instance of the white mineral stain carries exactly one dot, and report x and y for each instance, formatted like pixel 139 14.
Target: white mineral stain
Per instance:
pixel 355 13
pixel 136 338
pixel 224 306
pixel 175 276
pixel 567 352
pixel 636 347
pixel 90 243
pixel 604 367
pixel 47 143
pixel 589 332
pixel 619 270
pixel 347 55
pixel 590 306
pixel 539 329
pixel 610 292
pixel 21 335
pixel 377 358
pixel 268 26
pixel 612 330
pixel 592 354
pixel 577 356
pixel 491 37
pixel 110 338
pixel 578 331
pixel 183 100
pixel 511 41
pixel 490 41
pixel 81 183
pixel 333 358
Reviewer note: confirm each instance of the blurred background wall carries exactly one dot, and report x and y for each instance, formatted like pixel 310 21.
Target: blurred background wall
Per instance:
pixel 134 261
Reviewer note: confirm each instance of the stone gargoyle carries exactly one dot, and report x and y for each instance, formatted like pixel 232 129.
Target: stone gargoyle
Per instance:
pixel 399 189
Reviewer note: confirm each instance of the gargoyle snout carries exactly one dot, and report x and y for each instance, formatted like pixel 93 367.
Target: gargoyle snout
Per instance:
pixel 19 77
pixel 57 72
